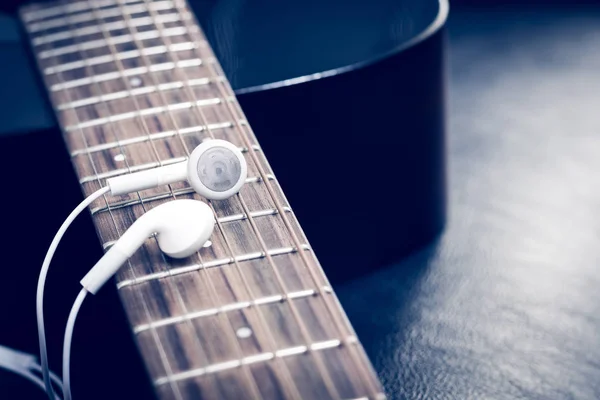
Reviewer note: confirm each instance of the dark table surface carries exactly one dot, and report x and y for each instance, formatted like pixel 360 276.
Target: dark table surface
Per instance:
pixel 506 304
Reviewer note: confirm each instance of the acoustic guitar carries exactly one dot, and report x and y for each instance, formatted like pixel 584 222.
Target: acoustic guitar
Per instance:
pixel 136 84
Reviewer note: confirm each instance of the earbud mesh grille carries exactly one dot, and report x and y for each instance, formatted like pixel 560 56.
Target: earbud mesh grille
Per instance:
pixel 219 169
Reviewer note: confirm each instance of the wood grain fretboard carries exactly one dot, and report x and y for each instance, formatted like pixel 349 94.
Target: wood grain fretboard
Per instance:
pixel 135 85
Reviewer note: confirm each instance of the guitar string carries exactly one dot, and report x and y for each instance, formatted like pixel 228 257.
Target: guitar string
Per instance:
pixel 173 287
pixel 303 327
pixel 223 316
pixel 200 113
pixel 251 379
pixel 305 331
pixel 263 323
pixel 340 320
pixel 204 119
pixel 98 87
pixel 59 77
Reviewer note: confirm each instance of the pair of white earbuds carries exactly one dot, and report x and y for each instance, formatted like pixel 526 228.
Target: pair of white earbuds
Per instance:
pixel 216 170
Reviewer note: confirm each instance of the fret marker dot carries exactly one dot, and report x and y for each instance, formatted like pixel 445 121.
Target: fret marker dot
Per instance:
pixel 207 244
pixel 244 332
pixel 120 157
pixel 135 81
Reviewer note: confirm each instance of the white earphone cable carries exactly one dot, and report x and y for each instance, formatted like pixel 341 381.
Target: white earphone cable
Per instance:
pixel 42 280
pixel 53 376
pixel 25 365
pixel 67 343
pixel 32 378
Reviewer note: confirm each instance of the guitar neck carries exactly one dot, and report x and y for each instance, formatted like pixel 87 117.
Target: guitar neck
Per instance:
pixel 136 85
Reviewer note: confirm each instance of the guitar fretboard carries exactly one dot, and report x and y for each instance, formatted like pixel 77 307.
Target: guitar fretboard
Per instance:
pixel 135 85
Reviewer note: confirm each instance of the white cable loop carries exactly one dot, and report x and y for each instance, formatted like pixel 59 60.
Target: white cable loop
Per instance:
pixel 42 280
pixel 67 343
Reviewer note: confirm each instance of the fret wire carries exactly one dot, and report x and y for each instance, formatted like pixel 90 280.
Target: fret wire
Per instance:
pixel 135 92
pixel 291 385
pixel 126 72
pixel 367 371
pixel 165 262
pixel 94 44
pixel 158 135
pixel 290 351
pixel 61 9
pixel 125 55
pixel 31 16
pixel 130 169
pixel 141 112
pixel 71 19
pixel 162 355
pixel 196 267
pixel 143 167
pixel 89 30
pixel 300 294
pixel 331 388
pixel 142 21
pixel 249 376
pixel 130 202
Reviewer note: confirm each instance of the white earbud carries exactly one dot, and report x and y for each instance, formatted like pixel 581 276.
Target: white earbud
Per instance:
pixel 181 226
pixel 216 170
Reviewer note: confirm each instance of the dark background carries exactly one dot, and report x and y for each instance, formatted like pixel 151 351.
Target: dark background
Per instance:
pixel 505 304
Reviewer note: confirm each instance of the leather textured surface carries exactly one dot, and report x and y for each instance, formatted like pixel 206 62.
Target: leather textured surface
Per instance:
pixel 506 305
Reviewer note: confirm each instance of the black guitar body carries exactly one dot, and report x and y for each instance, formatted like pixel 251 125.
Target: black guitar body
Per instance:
pixel 356 136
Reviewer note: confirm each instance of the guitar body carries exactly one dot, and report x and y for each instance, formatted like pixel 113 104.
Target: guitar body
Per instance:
pixel 359 89
pixel 349 129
